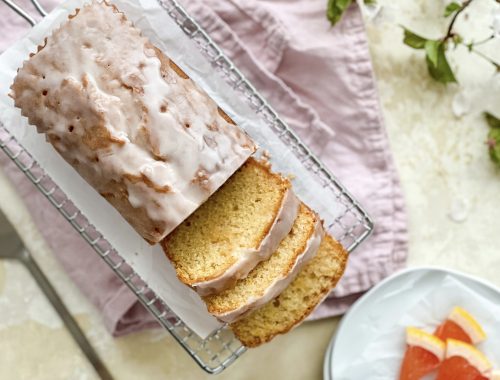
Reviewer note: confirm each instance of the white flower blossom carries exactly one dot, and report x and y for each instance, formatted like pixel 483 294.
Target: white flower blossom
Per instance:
pixel 370 11
pixel 495 25
pixel 379 14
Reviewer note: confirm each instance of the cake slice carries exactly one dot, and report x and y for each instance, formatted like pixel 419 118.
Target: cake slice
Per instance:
pixel 298 300
pixel 239 226
pixel 269 278
pixel 128 119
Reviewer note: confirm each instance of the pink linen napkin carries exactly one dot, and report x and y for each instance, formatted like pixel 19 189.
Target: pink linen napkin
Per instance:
pixel 320 80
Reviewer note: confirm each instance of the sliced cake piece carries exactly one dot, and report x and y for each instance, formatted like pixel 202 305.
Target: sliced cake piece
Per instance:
pixel 269 278
pixel 298 300
pixel 239 226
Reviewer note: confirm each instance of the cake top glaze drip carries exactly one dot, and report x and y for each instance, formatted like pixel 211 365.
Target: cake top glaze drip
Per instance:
pixel 124 114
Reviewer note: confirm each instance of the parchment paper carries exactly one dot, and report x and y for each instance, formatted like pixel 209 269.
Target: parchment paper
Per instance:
pixel 149 261
pixel 381 358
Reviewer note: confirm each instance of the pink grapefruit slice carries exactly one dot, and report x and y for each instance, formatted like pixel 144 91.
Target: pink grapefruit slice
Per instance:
pixel 424 353
pixel 460 325
pixel 463 362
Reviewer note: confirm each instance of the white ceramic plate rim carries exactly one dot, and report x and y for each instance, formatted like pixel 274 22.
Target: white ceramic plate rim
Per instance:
pixel 328 367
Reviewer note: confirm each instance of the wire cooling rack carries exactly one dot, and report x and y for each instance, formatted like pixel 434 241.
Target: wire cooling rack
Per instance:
pixel 221 348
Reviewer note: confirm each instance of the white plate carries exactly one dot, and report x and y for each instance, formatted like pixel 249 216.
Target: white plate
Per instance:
pixel 369 342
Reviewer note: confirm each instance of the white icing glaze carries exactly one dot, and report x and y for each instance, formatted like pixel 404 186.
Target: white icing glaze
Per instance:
pixel 280 283
pixel 247 259
pixel 469 353
pixel 156 133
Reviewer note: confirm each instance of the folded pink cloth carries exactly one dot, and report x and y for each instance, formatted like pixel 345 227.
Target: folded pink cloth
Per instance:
pixel 320 80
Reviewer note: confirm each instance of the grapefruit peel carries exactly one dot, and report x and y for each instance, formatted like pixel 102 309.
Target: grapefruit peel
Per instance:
pixel 468 352
pixel 429 342
pixel 468 323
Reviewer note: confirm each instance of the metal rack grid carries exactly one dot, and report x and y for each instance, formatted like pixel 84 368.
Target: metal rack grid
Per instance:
pixel 354 224
pixel 221 348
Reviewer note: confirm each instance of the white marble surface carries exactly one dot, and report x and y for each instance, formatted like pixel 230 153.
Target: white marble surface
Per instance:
pixel 450 186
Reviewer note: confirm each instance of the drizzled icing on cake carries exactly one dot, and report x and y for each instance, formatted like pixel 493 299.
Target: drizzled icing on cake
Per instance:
pixel 248 258
pixel 128 119
pixel 279 284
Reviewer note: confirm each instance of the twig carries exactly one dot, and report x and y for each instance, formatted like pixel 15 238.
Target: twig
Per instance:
pixel 449 32
pixel 481 42
pixel 485 57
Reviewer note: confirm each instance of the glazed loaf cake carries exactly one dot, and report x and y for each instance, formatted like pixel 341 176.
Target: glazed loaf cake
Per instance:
pixel 129 120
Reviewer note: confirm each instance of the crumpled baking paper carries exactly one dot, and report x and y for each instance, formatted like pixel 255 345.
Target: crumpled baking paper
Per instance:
pixel 380 358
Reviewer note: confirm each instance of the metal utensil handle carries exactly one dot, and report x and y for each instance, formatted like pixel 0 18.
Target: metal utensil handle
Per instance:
pixel 68 320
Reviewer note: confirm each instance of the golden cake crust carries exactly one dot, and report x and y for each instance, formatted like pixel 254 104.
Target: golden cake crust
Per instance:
pixel 260 326
pixel 270 277
pixel 284 187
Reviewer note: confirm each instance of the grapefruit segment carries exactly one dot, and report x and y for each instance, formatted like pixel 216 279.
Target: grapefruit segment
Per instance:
pixel 457 368
pixel 423 354
pixel 463 362
pixel 460 325
pixel 449 329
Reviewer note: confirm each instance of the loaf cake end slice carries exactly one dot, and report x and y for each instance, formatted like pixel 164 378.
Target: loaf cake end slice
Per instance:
pixel 298 300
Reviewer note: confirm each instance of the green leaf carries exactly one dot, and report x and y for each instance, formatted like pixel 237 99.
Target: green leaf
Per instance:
pixel 451 8
pixel 336 9
pixel 432 51
pixel 413 40
pixel 492 120
pixel 494 145
pixel 493 137
pixel 370 2
pixel 437 64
